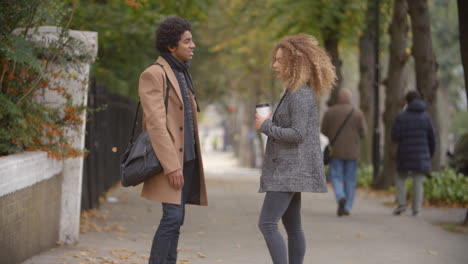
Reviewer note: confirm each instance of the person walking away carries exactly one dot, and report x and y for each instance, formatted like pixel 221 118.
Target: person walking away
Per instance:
pixel 347 126
pixel 414 133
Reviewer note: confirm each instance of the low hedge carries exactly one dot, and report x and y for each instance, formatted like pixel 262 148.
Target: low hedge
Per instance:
pixel 445 186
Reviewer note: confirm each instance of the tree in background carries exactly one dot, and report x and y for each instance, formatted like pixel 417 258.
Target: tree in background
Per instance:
pixel 425 63
pixel 126 32
pixel 463 24
pixel 394 88
pixel 236 66
pixel 26 124
pixel 449 72
pixel 367 75
pixel 334 22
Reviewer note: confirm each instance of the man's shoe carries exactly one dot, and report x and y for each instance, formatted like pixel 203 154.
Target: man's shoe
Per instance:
pixel 400 209
pixel 415 213
pixel 346 212
pixel 341 205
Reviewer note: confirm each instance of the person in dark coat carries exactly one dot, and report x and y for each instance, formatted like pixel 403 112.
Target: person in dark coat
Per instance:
pixel 414 133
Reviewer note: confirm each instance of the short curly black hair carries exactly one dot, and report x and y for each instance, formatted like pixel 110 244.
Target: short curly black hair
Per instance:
pixel 411 96
pixel 169 32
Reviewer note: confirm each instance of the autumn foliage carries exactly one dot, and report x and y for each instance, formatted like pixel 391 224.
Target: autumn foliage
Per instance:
pixel 27 124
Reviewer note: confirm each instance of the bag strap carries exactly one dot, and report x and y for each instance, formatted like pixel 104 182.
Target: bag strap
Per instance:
pixel 166 102
pixel 341 127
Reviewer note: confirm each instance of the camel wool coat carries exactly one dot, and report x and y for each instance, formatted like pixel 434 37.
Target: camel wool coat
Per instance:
pixel 166 132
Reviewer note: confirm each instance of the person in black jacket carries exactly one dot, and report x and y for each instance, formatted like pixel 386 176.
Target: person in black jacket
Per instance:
pixel 414 133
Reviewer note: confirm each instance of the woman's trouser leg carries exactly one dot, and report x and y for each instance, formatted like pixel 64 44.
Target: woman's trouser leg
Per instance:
pixel 276 206
pixel 292 224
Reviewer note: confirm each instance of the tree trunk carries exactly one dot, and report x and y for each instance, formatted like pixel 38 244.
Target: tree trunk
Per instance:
pixel 425 64
pixel 394 88
pixel 249 151
pixel 466 218
pixel 367 76
pixel 463 26
pixel 331 45
pixel 247 134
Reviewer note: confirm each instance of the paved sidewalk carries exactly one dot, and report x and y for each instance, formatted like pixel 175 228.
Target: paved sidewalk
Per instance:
pixel 226 231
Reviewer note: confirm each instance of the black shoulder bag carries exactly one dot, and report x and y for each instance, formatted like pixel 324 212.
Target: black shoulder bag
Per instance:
pixel 139 162
pixel 328 151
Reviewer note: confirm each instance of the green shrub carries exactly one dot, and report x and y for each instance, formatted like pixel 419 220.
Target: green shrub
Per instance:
pixel 365 175
pixel 459 160
pixel 447 186
pixel 25 123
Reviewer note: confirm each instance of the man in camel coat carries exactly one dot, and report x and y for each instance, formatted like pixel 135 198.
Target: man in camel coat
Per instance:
pixel 173 134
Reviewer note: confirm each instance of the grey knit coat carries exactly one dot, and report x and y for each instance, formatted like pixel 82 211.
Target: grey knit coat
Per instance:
pixel 293 160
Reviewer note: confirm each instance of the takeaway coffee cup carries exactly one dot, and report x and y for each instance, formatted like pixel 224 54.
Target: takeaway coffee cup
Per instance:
pixel 263 109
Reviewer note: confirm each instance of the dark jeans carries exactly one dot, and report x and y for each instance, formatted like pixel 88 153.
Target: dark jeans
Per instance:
pixel 166 239
pixel 287 206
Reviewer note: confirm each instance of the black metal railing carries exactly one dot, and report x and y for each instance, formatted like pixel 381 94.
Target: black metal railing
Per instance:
pixel 107 135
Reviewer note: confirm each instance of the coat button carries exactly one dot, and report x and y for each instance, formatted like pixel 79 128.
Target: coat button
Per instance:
pixel 274 140
pixel 181 128
pixel 180 149
pixel 274 160
pixel 181 108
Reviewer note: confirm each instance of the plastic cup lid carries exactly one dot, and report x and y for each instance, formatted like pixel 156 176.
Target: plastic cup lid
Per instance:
pixel 262 105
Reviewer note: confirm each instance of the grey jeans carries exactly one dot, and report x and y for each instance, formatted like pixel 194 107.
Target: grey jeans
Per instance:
pixel 418 189
pixel 285 206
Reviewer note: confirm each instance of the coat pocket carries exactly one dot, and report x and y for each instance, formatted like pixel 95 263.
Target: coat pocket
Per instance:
pixel 288 152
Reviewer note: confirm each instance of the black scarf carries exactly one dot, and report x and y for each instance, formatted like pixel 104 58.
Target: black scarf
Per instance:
pixel 182 67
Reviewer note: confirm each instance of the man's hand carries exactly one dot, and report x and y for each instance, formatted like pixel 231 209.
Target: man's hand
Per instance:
pixel 259 120
pixel 176 179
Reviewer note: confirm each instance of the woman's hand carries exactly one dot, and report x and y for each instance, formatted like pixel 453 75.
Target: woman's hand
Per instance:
pixel 260 119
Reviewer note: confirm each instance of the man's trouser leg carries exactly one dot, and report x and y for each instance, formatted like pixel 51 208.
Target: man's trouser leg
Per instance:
pixel 164 248
pixel 165 240
pixel 401 189
pixel 336 178
pixel 418 192
pixel 350 177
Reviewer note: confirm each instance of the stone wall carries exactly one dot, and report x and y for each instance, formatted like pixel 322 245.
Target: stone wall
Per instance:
pixel 30 202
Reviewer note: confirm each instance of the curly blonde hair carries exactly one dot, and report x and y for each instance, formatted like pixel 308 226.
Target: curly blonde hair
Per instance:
pixel 304 61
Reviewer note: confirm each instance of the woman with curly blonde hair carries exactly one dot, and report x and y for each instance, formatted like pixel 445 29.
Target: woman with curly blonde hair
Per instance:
pixel 293 159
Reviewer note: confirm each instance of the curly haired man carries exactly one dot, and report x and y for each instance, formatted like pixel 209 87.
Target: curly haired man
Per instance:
pixel 170 109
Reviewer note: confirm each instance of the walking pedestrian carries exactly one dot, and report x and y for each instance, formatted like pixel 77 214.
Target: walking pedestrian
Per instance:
pixel 173 131
pixel 414 133
pixel 293 160
pixel 345 126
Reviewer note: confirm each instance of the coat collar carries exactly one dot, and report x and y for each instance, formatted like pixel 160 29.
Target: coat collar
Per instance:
pixel 279 104
pixel 171 76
